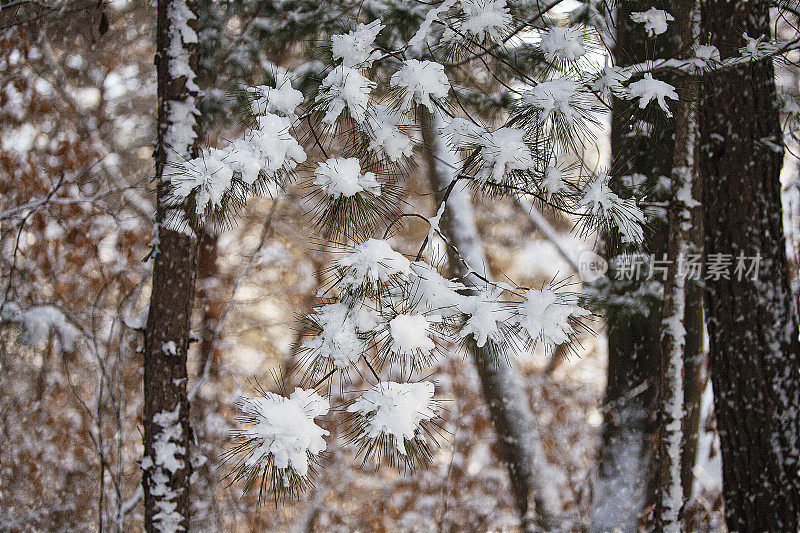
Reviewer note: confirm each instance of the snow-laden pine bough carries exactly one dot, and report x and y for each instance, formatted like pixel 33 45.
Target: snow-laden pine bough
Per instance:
pixel 384 311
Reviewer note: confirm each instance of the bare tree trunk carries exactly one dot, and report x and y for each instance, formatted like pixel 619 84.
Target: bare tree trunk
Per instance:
pixel 753 332
pixel 669 494
pixel 208 299
pixel 166 467
pixel 501 383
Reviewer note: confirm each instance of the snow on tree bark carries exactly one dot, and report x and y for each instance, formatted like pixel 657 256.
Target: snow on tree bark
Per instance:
pixel 166 467
pixel 621 488
pixel 501 384
pixel 753 332
pixel 669 494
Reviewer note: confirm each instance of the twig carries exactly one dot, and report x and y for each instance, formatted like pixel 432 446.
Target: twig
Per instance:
pixel 229 305
pixel 544 226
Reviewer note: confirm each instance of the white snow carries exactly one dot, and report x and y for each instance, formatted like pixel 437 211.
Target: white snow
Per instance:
pixel 503 151
pixel 38 322
pixel 268 148
pixel 545 316
pixel 648 89
pixel 169 348
pixel 562 42
pixel 339 340
pixel 654 20
pixel 355 48
pixel 554 97
pixel 180 133
pixel 706 52
pixel 421 82
pixel 386 138
pixel 285 429
pixel 210 175
pixel 273 145
pixel 625 215
pixel 281 100
pixel 372 261
pixel 342 177
pixel 345 88
pixel 756 47
pixel 409 334
pixel 396 409
pixel 461 133
pixel 420 37
pixel 610 79
pixel 553 181
pixel 485 311
pixel 168 449
pixel 434 293
pixel 485 18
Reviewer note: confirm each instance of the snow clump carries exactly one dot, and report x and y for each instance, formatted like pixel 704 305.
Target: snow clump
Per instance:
pixel 396 410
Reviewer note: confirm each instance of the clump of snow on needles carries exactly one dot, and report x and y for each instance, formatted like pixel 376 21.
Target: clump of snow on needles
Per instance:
pixel 345 88
pixel 372 261
pixel 434 293
pixel 282 100
pixel 284 429
pixel 562 42
pixel 355 48
pixel 555 98
pixel 504 150
pixel 268 149
pixel 553 181
pixel 396 409
pixel 654 20
pixel 342 177
pixel 545 315
pixel 339 339
pixel 486 312
pixel 648 89
pixel 461 133
pixel 485 18
pixel 410 334
pixel 421 81
pixel 383 127
pixel 600 201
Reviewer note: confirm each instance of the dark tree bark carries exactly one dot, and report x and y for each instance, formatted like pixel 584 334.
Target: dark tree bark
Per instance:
pixel 210 304
pixel 754 362
pixel 502 387
pixel 166 466
pixel 621 491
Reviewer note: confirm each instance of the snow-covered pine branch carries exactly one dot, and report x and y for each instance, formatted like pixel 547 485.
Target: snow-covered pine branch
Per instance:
pixel 382 312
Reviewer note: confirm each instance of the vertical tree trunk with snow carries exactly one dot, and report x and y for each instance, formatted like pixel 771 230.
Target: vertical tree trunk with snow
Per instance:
pixel 166 468
pixel 695 369
pixel 502 387
pixel 641 144
pixel 753 332
pixel 669 493
pixel 210 305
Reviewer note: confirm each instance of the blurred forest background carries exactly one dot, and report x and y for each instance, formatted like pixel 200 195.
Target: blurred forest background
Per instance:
pixel 77 130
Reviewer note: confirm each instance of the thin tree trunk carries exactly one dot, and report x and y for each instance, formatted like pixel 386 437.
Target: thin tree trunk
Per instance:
pixel 621 487
pixel 695 370
pixel 210 304
pixel 166 467
pixel 753 333
pixel 501 383
pixel 669 495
